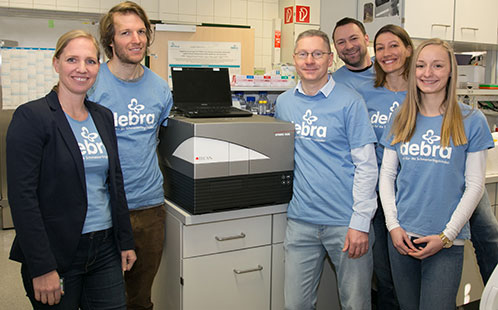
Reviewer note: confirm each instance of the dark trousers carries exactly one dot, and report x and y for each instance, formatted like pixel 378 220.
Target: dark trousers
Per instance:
pixel 386 295
pixel 94 280
pixel 148 232
pixel 484 237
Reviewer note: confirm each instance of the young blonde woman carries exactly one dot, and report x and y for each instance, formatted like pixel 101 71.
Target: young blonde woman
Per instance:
pixel 73 231
pixel 431 179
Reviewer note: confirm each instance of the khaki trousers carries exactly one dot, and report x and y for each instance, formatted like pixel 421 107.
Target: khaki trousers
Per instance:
pixel 148 231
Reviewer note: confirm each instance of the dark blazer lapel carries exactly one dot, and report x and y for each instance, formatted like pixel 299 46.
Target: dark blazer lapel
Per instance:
pixel 67 134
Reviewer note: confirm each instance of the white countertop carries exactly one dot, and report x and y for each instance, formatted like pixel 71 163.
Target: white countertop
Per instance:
pixel 491 178
pixel 190 219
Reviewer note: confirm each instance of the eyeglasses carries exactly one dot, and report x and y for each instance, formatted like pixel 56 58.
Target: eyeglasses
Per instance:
pixel 314 54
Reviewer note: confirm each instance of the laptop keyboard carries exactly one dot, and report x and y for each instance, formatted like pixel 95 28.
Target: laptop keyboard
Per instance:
pixel 213 111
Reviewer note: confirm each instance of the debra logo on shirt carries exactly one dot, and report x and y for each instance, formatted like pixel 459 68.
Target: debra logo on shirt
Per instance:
pixel 383 119
pixel 134 118
pixel 307 129
pixel 89 145
pixel 427 148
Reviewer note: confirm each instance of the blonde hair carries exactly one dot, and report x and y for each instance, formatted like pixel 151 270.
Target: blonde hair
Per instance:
pixel 314 33
pixel 405 121
pixel 71 35
pixel 68 37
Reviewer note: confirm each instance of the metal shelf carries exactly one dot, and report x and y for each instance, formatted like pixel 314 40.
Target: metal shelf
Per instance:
pixel 256 88
pixel 477 92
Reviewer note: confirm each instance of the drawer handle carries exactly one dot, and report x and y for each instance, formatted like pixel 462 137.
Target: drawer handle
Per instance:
pixel 241 236
pixel 470 28
pixel 238 271
pixel 441 25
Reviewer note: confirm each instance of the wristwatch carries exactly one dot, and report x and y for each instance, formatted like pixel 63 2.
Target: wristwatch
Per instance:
pixel 446 242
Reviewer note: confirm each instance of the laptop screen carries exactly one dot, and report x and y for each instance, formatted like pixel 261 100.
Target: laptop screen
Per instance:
pixel 201 87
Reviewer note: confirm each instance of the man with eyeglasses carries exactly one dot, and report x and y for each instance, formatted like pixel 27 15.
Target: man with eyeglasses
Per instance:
pixel 335 173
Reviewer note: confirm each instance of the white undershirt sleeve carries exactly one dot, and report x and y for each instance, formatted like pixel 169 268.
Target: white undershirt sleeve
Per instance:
pixel 387 176
pixel 475 173
pixel 365 179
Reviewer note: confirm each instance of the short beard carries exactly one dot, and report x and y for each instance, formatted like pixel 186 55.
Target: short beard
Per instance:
pixel 122 57
pixel 358 63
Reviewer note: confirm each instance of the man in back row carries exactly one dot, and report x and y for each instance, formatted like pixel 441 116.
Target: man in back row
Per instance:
pixel 351 42
pixel 141 102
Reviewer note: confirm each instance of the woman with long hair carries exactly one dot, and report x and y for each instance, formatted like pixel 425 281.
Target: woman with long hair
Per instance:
pixel 393 50
pixel 431 179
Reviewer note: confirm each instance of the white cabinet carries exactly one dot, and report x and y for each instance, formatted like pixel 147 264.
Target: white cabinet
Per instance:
pixel 475 21
pixel 429 19
pixel 492 189
pixel 232 280
pixel 458 20
pixel 219 261
pixel 228 260
pixel 277 276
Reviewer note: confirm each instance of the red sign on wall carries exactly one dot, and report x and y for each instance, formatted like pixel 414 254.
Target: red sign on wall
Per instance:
pixel 277 38
pixel 302 14
pixel 288 15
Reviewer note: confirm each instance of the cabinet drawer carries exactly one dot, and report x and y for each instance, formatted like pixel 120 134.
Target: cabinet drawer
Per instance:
pixel 225 236
pixel 491 188
pixel 279 226
pixel 227 281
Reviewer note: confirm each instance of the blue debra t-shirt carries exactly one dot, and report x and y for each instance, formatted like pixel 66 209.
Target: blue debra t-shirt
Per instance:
pixel 139 108
pixel 381 104
pixel 96 164
pixel 326 129
pixel 354 79
pixel 431 179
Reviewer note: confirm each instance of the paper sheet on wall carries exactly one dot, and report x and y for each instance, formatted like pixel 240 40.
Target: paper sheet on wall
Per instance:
pixel 204 54
pixel 26 74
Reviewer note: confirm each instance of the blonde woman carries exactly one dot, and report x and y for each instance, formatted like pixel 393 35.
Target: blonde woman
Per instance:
pixel 435 155
pixel 73 232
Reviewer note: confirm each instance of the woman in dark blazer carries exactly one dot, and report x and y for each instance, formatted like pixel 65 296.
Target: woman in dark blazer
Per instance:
pixel 65 188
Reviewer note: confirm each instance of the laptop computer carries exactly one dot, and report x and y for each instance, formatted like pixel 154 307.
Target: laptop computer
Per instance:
pixel 204 92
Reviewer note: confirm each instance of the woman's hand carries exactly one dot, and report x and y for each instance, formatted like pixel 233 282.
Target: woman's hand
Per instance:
pixel 128 258
pixel 434 245
pixel 47 288
pixel 401 241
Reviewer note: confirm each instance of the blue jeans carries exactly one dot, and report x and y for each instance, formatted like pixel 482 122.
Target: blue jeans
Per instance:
pixel 484 237
pixel 386 295
pixel 428 284
pixel 94 280
pixel 306 246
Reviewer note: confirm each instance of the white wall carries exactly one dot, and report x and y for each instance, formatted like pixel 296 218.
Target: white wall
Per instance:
pixel 256 13
pixel 36 32
pixel 331 11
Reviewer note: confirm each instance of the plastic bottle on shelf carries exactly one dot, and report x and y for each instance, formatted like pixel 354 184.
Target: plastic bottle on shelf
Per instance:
pixel 271 108
pixel 242 100
pixel 235 101
pixel 251 104
pixel 263 103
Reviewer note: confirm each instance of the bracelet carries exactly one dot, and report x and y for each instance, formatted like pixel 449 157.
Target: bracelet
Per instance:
pixel 446 242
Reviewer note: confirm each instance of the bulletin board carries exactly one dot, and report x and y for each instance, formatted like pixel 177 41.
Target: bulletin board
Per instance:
pixel 159 49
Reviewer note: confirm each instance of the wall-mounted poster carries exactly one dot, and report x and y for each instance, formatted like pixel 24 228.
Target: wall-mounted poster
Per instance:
pixel 204 54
